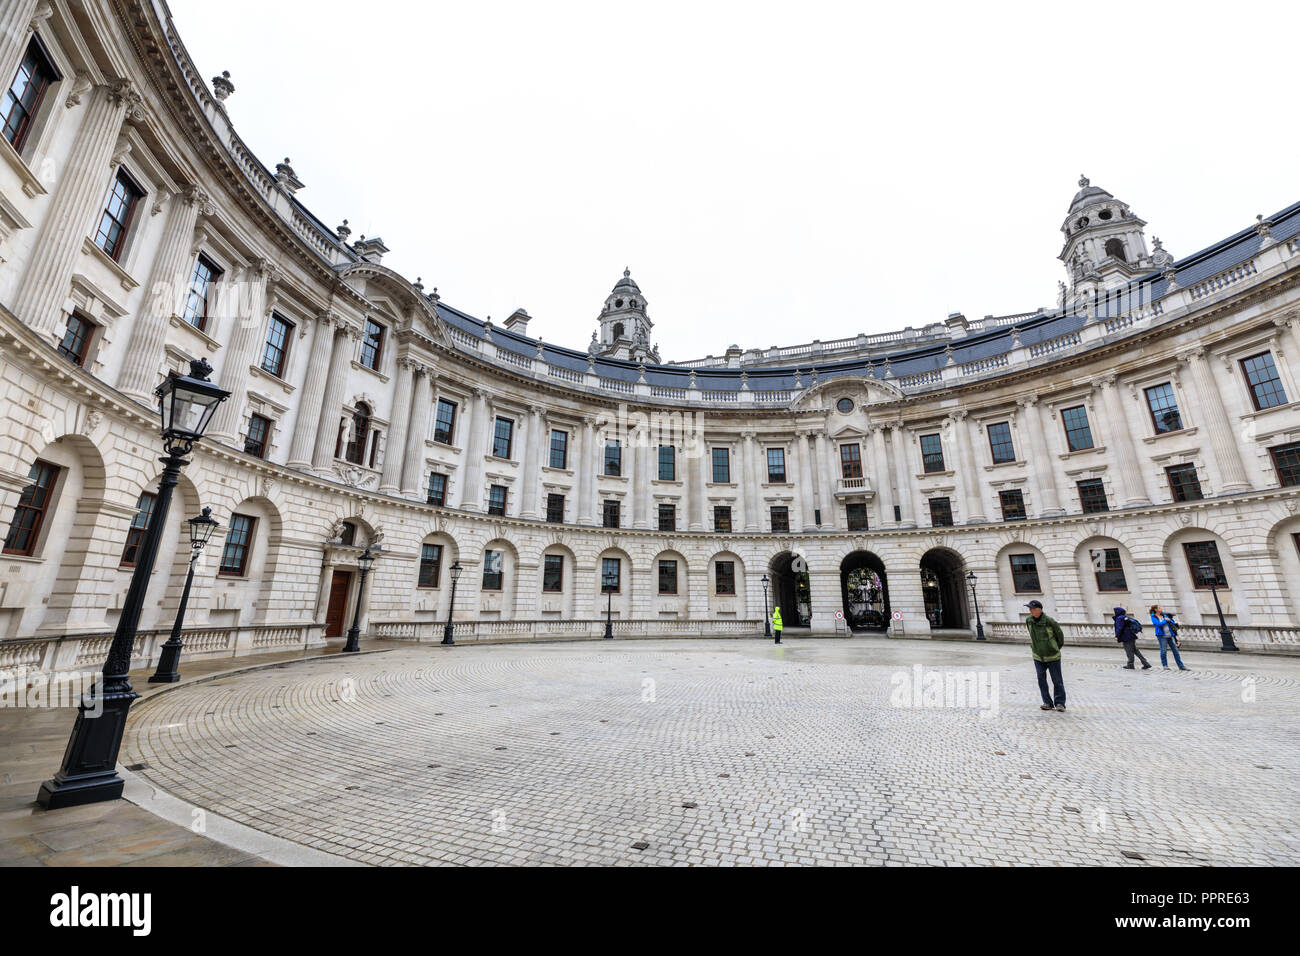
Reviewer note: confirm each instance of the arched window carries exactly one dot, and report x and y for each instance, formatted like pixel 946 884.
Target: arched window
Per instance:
pixel 356 449
pixel 1115 249
pixel 618 330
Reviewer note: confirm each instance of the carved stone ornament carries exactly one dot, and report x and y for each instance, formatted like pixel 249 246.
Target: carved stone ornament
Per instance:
pixel 81 85
pixel 222 87
pixel 93 417
pixel 353 476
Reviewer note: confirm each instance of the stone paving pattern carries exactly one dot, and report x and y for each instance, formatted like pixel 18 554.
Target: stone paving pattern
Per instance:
pixel 748 754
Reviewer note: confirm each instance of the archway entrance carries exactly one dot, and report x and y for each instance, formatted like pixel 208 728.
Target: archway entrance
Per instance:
pixel 865 590
pixel 790 590
pixel 944 589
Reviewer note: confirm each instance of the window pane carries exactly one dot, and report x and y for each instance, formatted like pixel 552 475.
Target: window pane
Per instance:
pixel 559 449
pixel 1024 573
pixel 850 461
pixel 1164 408
pixel 442 430
pixel 553 572
pixel 1092 496
pixel 721 466
pixel 1265 386
pixel 667 577
pixel 1205 564
pixel 776 465
pixel 1078 436
pixel 1000 443
pixel 931 453
pixel 667 463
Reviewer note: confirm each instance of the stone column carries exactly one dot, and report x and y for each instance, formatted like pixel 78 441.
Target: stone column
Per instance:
pixel 1227 454
pixel 75 207
pixel 826 475
pixel 699 501
pixel 245 302
pixel 1043 478
pixel 530 476
pixel 584 462
pixel 880 478
pixel 168 284
pixel 336 383
pixel 970 471
pixel 805 492
pixel 750 484
pixel 1121 439
pixel 471 490
pixel 902 466
pixel 312 392
pixel 416 432
pixel 17 20
pixel 391 476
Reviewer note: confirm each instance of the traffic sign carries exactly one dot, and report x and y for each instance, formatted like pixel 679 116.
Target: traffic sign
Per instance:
pixel 839 615
pixel 898 615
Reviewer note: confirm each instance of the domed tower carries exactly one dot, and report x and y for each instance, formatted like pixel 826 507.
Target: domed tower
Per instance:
pixel 1104 242
pixel 624 326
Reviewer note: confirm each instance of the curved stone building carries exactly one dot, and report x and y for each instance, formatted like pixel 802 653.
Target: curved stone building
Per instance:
pixel 1134 442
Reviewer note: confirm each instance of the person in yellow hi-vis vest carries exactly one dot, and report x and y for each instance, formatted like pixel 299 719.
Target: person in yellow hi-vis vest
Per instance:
pixel 776 623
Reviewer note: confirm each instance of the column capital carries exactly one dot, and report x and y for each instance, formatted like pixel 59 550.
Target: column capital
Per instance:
pixel 123 95
pixel 1192 354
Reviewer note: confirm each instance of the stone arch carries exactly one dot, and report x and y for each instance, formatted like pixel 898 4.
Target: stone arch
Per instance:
pixel 944 590
pixel 864 591
pixel 559 604
pixel 248 597
pixel 433 603
pixel 408 301
pixel 675 603
pixel 1017 593
pixel 791 588
pixel 618 602
pixel 1099 583
pixel 500 557
pixel 722 604
pixel 1284 547
pixel 1193 604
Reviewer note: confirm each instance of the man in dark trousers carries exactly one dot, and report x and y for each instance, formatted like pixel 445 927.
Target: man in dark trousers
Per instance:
pixel 1045 641
pixel 1126 632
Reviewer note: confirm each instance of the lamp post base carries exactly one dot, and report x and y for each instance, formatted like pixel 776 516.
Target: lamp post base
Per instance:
pixel 446 635
pixel 1229 645
pixel 89 770
pixel 353 645
pixel 168 671
pixel 979 633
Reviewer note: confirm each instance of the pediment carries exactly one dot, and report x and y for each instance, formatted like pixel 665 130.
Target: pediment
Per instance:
pixel 862 390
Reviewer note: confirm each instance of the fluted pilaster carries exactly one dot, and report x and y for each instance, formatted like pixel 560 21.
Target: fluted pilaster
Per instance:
pixel 391 476
pixel 1226 452
pixel 312 393
pixel 245 301
pixel 417 432
pixel 336 383
pixel 1121 441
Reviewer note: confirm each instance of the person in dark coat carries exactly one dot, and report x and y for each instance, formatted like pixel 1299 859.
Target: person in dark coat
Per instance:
pixel 1126 632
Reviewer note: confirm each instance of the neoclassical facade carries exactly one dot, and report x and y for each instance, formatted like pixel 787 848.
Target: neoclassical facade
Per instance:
pixel 1137 442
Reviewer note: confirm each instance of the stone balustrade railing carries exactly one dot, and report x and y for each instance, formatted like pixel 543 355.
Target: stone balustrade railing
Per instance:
pixel 469 631
pixel 1250 637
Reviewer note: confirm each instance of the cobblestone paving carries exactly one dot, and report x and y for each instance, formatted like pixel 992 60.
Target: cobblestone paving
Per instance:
pixel 739 752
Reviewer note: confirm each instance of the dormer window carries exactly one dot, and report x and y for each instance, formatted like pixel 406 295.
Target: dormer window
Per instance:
pixel 618 326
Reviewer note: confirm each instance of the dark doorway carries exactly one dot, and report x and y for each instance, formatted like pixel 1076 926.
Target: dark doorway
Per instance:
pixel 340 585
pixel 790 591
pixel 944 588
pixel 865 590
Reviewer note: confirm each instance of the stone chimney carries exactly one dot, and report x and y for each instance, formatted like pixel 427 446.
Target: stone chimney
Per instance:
pixel 371 250
pixel 518 321
pixel 957 325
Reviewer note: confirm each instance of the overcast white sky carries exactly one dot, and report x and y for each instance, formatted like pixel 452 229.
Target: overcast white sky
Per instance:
pixel 771 172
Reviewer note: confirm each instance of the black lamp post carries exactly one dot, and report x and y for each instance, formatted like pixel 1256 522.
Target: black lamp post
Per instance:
pixel 1210 576
pixel 451 607
pixel 607 585
pixel 365 563
pixel 202 527
pixel 767 618
pixel 88 774
pixel 979 625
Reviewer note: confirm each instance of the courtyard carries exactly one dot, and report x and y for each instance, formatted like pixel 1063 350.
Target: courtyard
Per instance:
pixel 737 752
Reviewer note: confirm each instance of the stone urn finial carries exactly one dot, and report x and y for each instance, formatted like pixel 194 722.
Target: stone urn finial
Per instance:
pixel 222 87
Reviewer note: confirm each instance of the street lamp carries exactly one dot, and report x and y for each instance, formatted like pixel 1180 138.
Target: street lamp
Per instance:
pixel 979 625
pixel 1210 576
pixel 451 607
pixel 88 774
pixel 365 563
pixel 607 585
pixel 202 527
pixel 767 618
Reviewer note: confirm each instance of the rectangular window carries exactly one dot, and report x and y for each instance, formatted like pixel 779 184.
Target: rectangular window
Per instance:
pixel 1164 408
pixel 503 434
pixel 722 518
pixel 553 573
pixel 1108 569
pixel 940 512
pixel 1092 496
pixel 76 339
pixel 33 505
pixel 372 345
pixel 276 353
pixel 1205 564
pixel 610 575
pixel 1286 462
pixel 23 99
pixel 445 423
pixel 437 489
pixel 724 576
pixel 555 508
pixel 1000 443
pixel 139 528
pixel 1183 483
pixel 776 466
pixel 119 214
pixel 850 461
pixel 492 574
pixel 239 544
pixel 721 466
pixel 780 519
pixel 497 500
pixel 259 434
pixel 559 449
pixel 667 577
pixel 931 454
pixel 1024 574
pixel 430 565
pixel 667 463
pixel 348 536
pixel 857 516
pixel 613 458
pixel 1078 436
pixel 610 514
pixel 206 274
pixel 1265 386
pixel 667 517
pixel 1013 505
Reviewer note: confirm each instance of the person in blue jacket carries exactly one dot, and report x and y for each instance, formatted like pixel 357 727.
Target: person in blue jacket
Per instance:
pixel 1126 632
pixel 1165 635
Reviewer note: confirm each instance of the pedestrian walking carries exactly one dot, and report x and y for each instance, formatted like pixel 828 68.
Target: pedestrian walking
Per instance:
pixel 1127 630
pixel 776 623
pixel 1045 642
pixel 1167 634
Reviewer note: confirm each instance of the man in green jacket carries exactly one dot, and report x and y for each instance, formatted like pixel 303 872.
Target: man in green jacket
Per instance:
pixel 1045 641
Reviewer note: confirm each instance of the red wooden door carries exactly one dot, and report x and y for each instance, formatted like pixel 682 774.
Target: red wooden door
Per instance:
pixel 340 585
